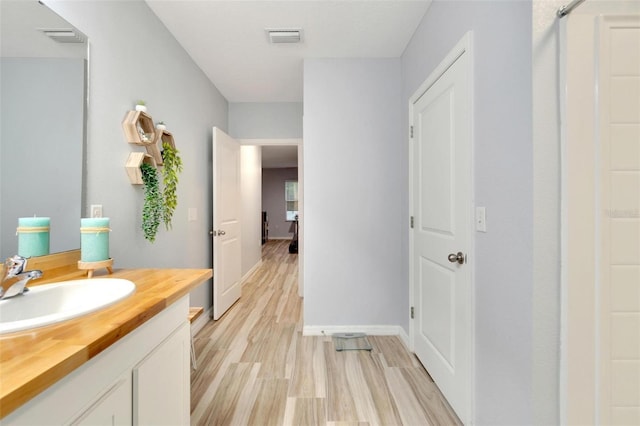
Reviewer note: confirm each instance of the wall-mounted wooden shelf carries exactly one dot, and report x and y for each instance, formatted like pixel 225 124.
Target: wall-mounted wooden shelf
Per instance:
pixel 138 128
pixel 135 160
pixel 155 149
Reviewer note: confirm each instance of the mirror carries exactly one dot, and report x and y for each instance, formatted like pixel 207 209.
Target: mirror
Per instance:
pixel 43 87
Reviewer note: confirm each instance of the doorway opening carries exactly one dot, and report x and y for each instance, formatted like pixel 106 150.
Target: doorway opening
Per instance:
pixel 280 198
pixel 280 205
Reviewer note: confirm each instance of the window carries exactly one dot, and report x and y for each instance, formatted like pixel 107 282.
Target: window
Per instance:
pixel 291 199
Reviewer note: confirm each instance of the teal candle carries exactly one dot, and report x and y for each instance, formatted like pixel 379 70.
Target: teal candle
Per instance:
pixel 94 239
pixel 33 236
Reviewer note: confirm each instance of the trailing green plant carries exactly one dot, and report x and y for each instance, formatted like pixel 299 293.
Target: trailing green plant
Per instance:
pixel 172 167
pixel 153 208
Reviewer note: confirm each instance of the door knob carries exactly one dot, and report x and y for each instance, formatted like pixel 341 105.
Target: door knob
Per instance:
pixel 218 232
pixel 221 232
pixel 457 257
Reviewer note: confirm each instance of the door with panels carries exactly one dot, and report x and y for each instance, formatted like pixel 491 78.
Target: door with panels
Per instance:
pixel 442 234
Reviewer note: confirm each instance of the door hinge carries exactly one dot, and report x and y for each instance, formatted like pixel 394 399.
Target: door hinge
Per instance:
pixel 411 222
pixel 411 131
pixel 412 313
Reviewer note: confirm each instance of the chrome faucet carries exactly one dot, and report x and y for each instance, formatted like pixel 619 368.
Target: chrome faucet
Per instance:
pixel 15 269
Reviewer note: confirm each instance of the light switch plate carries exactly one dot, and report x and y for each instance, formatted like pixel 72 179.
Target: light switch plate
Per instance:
pixel 481 219
pixel 192 214
pixel 96 210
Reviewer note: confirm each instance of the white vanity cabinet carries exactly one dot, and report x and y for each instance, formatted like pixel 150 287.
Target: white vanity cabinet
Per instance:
pixel 112 408
pixel 161 383
pixel 142 379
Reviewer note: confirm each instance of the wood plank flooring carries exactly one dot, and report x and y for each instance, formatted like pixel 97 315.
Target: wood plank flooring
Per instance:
pixel 256 368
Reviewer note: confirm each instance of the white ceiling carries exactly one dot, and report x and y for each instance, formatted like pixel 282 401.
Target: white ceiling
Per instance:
pixel 227 38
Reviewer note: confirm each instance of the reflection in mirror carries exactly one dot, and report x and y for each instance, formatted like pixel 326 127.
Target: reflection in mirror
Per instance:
pixel 43 75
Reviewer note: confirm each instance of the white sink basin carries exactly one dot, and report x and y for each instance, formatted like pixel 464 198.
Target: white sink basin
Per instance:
pixel 51 303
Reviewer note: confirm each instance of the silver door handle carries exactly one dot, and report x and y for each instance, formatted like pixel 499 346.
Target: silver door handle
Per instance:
pixel 219 232
pixel 457 257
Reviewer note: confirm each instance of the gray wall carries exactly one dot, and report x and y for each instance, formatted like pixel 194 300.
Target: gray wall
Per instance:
pixel 503 161
pixel 353 180
pixel 42 132
pixel 273 200
pixel 546 196
pixel 259 120
pixel 133 56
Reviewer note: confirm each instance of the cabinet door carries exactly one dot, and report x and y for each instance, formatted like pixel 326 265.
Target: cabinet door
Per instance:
pixel 161 383
pixel 113 408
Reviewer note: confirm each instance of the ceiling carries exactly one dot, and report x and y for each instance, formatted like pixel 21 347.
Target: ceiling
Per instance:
pixel 227 38
pixel 279 156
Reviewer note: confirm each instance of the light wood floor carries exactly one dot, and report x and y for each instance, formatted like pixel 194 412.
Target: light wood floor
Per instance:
pixel 256 368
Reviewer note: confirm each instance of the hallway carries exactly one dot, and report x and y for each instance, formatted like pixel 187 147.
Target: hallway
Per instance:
pixel 256 368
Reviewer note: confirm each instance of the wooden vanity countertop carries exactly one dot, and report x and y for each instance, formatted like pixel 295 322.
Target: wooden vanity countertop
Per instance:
pixel 32 360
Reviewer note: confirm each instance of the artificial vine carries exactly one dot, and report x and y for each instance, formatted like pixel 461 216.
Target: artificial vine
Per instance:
pixel 172 167
pixel 153 209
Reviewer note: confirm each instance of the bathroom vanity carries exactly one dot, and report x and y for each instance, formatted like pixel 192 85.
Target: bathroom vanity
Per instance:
pixel 125 364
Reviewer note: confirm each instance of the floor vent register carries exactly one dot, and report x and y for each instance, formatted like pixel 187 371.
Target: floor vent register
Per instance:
pixel 351 342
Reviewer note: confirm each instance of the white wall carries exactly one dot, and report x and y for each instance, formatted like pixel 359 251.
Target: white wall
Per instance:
pixel 251 221
pixel 503 160
pixel 42 132
pixel 353 180
pixel 133 56
pixel 265 120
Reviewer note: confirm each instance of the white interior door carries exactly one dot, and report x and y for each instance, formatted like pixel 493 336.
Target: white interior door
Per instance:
pixel 442 205
pixel 226 222
pixel 601 227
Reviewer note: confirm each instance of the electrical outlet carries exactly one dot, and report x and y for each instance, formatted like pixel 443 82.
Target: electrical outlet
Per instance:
pixel 96 210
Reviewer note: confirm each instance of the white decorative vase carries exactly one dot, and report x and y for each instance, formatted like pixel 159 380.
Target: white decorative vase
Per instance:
pixel 142 108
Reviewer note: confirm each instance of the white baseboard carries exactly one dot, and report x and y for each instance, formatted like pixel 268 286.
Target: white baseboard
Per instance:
pixel 372 330
pixel 405 338
pixel 250 271
pixel 201 321
pixel 319 330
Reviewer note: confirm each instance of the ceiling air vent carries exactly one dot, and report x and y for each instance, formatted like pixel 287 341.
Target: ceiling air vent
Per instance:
pixel 284 35
pixel 63 35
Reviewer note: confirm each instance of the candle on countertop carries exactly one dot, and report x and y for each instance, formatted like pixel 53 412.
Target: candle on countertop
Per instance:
pixel 94 239
pixel 33 236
